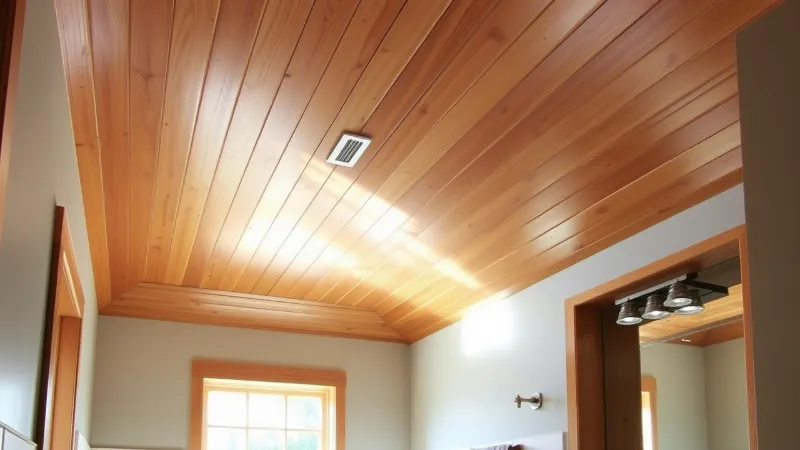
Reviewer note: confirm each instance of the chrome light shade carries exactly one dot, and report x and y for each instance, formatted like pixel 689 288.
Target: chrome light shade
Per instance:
pixel 695 305
pixel 678 296
pixel 628 314
pixel 655 309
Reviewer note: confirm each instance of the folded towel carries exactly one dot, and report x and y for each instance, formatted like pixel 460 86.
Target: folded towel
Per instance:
pixel 502 447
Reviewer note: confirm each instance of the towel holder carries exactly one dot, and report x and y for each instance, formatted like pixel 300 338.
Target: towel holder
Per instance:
pixel 535 402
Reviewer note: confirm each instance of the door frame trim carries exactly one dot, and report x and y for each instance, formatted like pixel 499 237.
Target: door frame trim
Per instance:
pixel 586 402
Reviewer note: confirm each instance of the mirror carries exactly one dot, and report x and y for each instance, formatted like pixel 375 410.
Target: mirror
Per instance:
pixel 694 386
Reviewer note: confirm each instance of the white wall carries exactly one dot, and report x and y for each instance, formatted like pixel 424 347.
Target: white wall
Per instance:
pixel 459 400
pixel 141 394
pixel 680 373
pixel 43 173
pixel 726 396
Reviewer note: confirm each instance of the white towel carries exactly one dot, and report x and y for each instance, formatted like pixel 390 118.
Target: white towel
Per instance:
pixel 501 447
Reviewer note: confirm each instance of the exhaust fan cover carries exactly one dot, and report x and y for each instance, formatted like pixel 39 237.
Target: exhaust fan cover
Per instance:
pixel 348 150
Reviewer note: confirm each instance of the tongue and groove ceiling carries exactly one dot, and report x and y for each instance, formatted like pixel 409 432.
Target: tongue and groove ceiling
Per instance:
pixel 510 139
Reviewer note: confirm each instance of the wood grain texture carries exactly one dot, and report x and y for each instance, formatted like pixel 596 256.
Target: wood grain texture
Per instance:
pixel 321 36
pixel 183 304
pixel 73 28
pixel 712 336
pixel 193 30
pixel 111 79
pixel 510 139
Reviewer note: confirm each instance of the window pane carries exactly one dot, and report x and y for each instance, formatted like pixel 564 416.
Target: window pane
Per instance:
pixel 304 413
pixel 303 440
pixel 267 411
pixel 225 438
pixel 227 408
pixel 265 440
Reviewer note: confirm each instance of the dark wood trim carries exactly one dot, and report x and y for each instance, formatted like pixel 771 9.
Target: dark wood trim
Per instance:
pixel 588 402
pixel 12 20
pixel 622 383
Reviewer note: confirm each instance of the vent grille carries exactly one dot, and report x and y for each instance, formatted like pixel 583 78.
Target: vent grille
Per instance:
pixel 349 150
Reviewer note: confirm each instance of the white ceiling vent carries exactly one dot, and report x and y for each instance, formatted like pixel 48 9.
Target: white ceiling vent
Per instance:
pixel 348 150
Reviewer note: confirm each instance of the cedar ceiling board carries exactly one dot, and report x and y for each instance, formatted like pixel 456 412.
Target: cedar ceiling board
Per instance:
pixel 111 62
pixel 217 236
pixel 404 36
pixel 278 35
pixel 428 62
pixel 425 324
pixel 600 29
pixel 622 151
pixel 707 15
pixel 647 68
pixel 151 23
pixel 194 23
pixel 350 83
pixel 719 310
pixel 598 201
pixel 493 37
pixel 235 35
pixel 499 156
pixel 74 36
pixel 549 29
pixel 435 53
pixel 627 210
pixel 291 124
pixel 712 336
pixel 527 138
pixel 518 275
pixel 561 219
pixel 631 146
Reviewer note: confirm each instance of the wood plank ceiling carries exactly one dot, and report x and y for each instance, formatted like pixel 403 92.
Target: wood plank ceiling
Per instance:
pixel 510 139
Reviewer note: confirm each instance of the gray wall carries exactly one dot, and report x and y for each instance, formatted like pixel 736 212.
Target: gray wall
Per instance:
pixel 141 393
pixel 462 397
pixel 43 173
pixel 701 395
pixel 768 54
pixel 680 375
pixel 726 396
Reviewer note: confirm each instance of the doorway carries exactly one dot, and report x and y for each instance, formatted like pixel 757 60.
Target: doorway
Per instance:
pixel 604 375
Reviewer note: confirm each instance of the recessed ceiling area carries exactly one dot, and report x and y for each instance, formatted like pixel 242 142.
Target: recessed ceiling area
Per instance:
pixel 510 139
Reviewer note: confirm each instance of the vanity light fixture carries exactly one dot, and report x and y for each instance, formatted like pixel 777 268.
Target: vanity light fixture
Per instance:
pixel 678 296
pixel 695 304
pixel 629 314
pixel 655 309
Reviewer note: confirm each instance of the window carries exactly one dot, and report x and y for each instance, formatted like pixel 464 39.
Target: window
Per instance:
pixel 255 407
pixel 649 424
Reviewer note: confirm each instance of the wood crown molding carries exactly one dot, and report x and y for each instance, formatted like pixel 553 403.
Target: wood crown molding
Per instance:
pixel 203 306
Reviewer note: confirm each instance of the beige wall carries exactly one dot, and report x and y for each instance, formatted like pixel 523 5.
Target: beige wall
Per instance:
pixel 768 55
pixel 701 395
pixel 43 173
pixel 680 376
pixel 726 396
pixel 141 395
